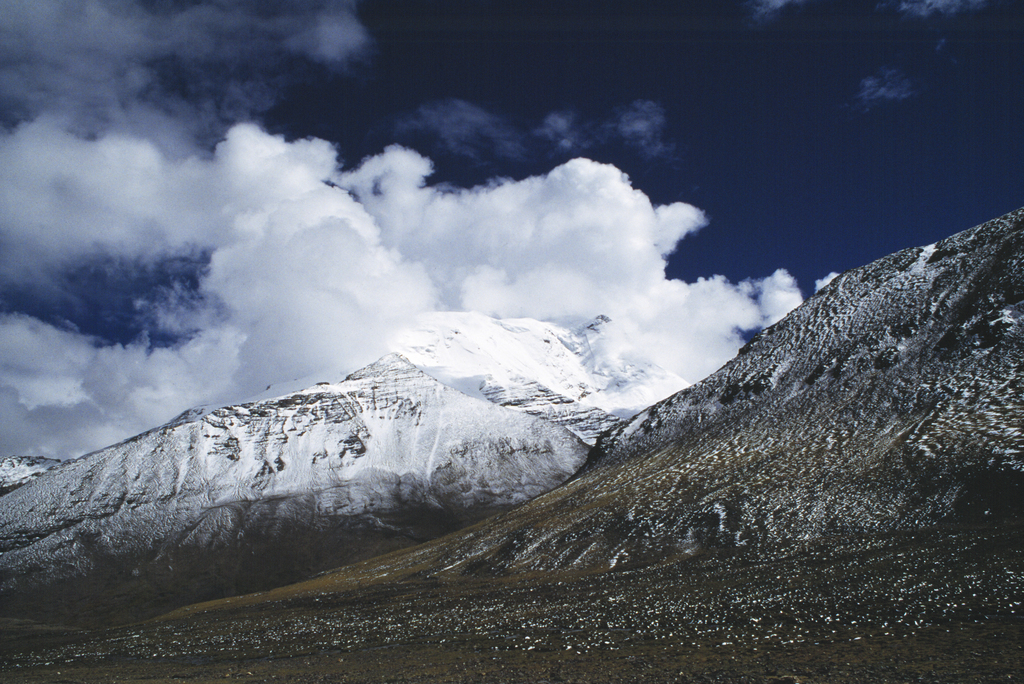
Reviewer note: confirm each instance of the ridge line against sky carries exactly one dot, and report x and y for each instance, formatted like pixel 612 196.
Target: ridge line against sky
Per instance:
pixel 198 199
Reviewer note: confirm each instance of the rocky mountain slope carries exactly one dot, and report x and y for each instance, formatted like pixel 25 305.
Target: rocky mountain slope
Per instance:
pixel 940 606
pixel 249 497
pixel 890 400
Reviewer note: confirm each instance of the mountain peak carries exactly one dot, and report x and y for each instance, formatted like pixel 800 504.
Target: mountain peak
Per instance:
pixel 255 495
pixel 572 376
pixel 392 366
pixel 599 321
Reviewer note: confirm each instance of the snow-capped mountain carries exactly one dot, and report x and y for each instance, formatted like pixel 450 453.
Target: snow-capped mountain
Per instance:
pixel 572 376
pixel 888 401
pixel 252 496
pixel 891 400
pixel 576 377
pixel 329 474
pixel 18 470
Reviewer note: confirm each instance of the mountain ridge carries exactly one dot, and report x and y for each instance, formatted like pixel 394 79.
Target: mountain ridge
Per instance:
pixel 879 342
pixel 387 457
pixel 316 478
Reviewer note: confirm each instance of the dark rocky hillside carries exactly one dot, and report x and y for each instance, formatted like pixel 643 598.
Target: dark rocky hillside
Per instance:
pixel 891 400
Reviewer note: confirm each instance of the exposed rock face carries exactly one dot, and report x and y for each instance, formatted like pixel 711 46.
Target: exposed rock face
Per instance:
pixel 533 398
pixel 249 497
pixel 891 400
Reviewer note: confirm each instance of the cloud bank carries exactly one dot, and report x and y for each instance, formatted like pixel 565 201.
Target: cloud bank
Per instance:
pixel 156 254
pixel 311 269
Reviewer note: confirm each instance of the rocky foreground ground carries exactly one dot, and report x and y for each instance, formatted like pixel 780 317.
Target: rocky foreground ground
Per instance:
pixel 942 605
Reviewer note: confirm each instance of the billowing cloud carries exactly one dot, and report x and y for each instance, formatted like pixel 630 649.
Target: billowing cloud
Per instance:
pixel 311 270
pixel 297 279
pixel 63 393
pixel 121 64
pixel 565 244
pixel 65 198
pixel 888 85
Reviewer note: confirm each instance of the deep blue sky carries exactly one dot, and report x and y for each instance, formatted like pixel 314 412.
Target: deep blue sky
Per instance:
pixel 769 135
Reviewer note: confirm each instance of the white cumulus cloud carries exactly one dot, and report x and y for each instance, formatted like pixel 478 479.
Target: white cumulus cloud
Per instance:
pixel 822 282
pixel 310 269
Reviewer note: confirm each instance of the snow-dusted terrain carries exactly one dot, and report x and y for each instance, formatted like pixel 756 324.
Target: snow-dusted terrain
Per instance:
pixel 850 486
pixel 252 496
pixel 577 377
pixel 572 376
pixel 18 470
pixel 309 476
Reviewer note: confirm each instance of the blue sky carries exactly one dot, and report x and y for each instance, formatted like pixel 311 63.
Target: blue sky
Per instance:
pixel 817 137
pixel 198 199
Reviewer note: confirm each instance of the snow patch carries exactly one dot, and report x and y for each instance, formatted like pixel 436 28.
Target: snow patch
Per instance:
pixel 17 470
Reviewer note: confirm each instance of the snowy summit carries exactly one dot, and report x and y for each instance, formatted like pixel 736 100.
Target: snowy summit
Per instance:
pixel 584 378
